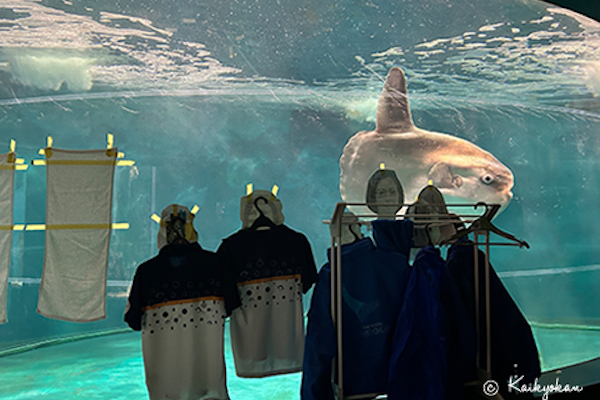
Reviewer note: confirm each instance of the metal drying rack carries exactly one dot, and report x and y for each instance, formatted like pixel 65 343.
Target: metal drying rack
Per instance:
pixel 480 226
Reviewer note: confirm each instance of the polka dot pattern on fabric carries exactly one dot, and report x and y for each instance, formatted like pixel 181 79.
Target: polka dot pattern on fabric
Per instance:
pixel 185 315
pixel 271 293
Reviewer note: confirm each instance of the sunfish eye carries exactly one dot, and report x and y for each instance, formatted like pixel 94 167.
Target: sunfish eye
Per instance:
pixel 487 179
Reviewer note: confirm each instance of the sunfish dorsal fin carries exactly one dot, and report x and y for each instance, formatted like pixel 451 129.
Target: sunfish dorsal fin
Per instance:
pixel 393 114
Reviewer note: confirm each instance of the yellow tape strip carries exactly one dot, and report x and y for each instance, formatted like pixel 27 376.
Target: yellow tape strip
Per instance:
pixel 80 162
pixel 43 227
pixel 125 163
pixel 17 227
pixel 156 218
pixel 381 165
pixel 249 190
pixel 35 227
pixel 49 142
pixel 118 163
pixel 274 191
pixel 21 167
pixel 13 145
pixel 120 225
pixel 110 139
pixel 195 209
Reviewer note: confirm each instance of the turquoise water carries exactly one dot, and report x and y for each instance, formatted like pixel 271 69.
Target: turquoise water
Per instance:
pixel 111 367
pixel 209 96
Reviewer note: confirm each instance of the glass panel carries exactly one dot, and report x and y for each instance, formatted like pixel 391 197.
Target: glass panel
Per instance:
pixel 209 96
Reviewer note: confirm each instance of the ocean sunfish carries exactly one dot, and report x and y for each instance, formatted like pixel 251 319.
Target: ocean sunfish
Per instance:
pixel 462 171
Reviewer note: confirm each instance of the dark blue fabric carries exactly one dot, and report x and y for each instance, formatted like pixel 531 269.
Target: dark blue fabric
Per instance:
pixel 434 343
pixel 394 236
pixel 373 280
pixel 249 255
pixel 178 272
pixel 418 362
pixel 512 341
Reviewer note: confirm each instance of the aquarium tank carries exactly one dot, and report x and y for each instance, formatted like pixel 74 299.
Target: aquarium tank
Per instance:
pixel 205 97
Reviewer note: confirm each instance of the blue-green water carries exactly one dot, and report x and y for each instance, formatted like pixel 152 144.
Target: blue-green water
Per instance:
pixel 209 96
pixel 111 367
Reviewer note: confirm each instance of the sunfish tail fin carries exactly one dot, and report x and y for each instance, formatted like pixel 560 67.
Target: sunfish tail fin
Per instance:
pixel 393 113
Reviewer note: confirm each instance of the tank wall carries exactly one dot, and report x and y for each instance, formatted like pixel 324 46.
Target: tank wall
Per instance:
pixel 198 151
pixel 210 96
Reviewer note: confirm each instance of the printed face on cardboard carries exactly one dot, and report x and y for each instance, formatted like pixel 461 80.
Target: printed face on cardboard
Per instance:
pixel 384 187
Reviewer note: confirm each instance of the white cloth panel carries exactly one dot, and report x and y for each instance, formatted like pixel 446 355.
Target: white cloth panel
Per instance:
pixel 7 180
pixel 182 345
pixel 267 331
pixel 78 225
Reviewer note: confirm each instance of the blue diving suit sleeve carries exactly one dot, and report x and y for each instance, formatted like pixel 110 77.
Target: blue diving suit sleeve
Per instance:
pixel 320 344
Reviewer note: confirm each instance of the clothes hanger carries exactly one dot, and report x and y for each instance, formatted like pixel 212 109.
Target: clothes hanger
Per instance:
pixel 484 223
pixel 262 221
pixel 351 230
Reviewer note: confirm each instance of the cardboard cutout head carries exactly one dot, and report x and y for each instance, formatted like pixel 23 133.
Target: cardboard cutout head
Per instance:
pixel 271 208
pixel 176 222
pixel 385 187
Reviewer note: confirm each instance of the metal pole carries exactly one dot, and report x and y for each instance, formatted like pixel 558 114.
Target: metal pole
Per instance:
pixel 487 306
pixel 339 312
pixel 476 284
pixel 332 259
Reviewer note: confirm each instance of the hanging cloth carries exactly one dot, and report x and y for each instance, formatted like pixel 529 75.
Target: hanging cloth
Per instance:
pixel 265 274
pixel 418 363
pixel 78 225
pixel 176 300
pixel 433 351
pixel 373 283
pixel 7 180
pixel 513 347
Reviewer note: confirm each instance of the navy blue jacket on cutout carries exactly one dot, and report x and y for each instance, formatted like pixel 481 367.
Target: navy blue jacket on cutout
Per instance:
pixel 374 279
